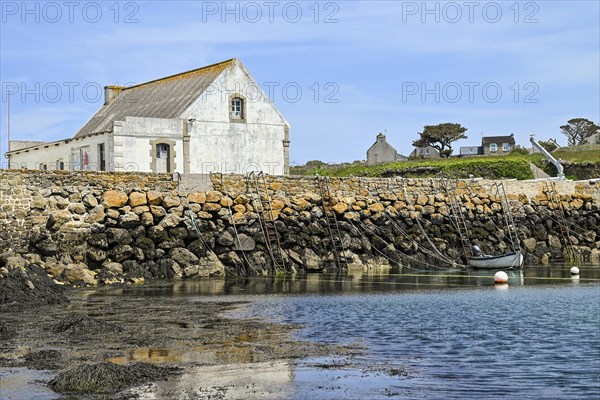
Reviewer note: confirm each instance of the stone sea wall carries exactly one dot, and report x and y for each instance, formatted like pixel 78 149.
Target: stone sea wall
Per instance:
pixel 103 228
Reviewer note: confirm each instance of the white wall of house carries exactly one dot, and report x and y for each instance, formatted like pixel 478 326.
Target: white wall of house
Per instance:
pixel 80 154
pixel 133 142
pixel 218 144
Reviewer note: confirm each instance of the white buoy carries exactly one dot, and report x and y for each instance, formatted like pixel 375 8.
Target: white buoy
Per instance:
pixel 574 271
pixel 500 277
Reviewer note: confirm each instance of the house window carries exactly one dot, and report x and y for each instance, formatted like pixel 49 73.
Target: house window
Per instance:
pixel 237 108
pixel 493 147
pixel 101 157
pixel 505 146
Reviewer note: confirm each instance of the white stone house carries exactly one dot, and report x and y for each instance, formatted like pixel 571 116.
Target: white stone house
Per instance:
pixel 212 119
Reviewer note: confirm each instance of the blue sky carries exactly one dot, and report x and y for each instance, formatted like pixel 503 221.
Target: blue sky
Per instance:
pixel 494 67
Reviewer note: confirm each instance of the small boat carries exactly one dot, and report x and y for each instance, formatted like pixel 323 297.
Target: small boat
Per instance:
pixel 512 260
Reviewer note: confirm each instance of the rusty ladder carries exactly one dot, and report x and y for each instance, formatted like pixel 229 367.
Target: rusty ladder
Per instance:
pixel 332 225
pixel 563 225
pixel 513 235
pixel 262 204
pixel 457 217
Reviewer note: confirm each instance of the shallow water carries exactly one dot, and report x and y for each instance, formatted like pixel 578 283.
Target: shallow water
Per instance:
pixel 438 334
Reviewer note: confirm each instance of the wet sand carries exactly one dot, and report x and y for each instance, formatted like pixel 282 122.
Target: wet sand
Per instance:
pixel 202 346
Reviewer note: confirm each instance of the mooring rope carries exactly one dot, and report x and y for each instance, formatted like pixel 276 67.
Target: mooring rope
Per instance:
pixel 395 250
pixel 191 215
pixel 233 224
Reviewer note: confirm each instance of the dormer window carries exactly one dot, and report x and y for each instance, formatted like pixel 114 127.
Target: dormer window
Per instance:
pixel 493 147
pixel 237 108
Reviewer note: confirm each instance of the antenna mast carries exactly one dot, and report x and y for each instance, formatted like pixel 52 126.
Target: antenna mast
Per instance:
pixel 8 139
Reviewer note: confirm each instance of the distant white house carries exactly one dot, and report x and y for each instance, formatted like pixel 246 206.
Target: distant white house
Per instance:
pixel 212 119
pixel 490 146
pixel 425 152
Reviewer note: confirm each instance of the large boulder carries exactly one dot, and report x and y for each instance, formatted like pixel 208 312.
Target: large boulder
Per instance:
pixel 311 260
pixel 163 269
pixel 199 197
pixel 184 257
pixel 96 214
pixel 170 221
pixel 115 198
pixel 206 266
pixel 89 201
pixel 158 234
pixel 171 201
pixel 47 248
pixel 98 240
pixel 78 274
pixel 96 255
pixel 529 244
pixel 129 220
pixel 121 252
pixel 57 219
pixel 554 242
pixel 137 199
pixel 232 260
pixel 225 239
pixel 118 236
pixel 213 196
pixel 244 243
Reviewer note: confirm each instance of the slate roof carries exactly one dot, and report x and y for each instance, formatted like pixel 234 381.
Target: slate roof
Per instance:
pixel 498 139
pixel 23 144
pixel 167 97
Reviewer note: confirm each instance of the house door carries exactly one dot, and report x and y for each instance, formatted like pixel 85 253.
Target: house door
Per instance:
pixel 162 158
pixel 101 157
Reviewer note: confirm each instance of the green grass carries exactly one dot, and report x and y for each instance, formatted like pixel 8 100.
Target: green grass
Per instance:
pixel 494 167
pixel 578 156
pixel 487 167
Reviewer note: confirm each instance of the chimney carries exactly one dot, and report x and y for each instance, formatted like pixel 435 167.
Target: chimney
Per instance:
pixel 110 92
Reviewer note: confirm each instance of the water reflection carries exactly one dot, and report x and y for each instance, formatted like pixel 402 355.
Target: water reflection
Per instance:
pixel 151 355
pixel 378 280
pixel 272 380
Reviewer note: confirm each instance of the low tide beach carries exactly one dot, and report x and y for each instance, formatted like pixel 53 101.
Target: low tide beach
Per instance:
pixel 418 334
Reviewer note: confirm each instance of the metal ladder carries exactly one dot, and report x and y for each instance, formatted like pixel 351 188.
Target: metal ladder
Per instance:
pixel 262 204
pixel 457 217
pixel 513 235
pixel 561 218
pixel 332 225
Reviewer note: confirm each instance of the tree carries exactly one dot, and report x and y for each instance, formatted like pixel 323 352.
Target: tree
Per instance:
pixel 440 137
pixel 579 129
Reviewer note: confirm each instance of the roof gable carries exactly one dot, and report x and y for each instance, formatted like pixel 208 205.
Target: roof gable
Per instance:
pixel 381 141
pixel 166 97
